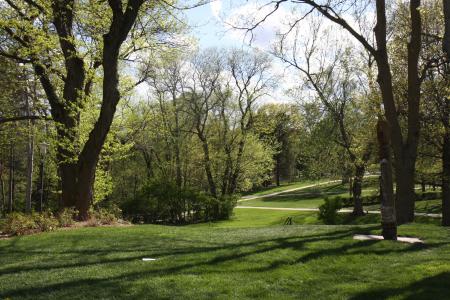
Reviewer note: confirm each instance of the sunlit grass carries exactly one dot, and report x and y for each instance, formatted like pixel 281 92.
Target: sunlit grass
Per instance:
pixel 194 262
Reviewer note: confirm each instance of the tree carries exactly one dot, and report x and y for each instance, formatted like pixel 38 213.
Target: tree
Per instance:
pixel 66 42
pixel 250 80
pixel 446 121
pixel 404 140
pixel 334 74
pixel 279 126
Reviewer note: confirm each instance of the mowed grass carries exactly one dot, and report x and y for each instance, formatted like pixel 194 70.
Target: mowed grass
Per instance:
pixel 311 197
pixel 194 262
pixel 252 255
pixel 285 186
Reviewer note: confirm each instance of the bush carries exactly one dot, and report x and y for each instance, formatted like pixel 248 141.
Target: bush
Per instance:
pixel 66 217
pixel 164 202
pixel 105 216
pixel 328 212
pixel 45 221
pixel 19 223
pixel 227 204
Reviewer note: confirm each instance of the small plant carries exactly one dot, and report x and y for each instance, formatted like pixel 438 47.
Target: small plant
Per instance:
pixel 66 217
pixel 328 212
pixel 45 221
pixel 18 224
pixel 105 216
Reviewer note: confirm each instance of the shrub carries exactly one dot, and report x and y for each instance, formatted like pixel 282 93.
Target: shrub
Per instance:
pixel 328 212
pixel 164 202
pixel 66 217
pixel 18 224
pixel 45 221
pixel 105 216
pixel 227 204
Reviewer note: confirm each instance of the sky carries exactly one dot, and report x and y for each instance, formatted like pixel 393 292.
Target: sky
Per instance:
pixel 210 26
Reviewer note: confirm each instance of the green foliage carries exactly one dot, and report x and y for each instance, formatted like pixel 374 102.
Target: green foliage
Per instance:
pixel 45 221
pixel 19 223
pixel 163 202
pixel 328 212
pixel 66 217
pixel 105 216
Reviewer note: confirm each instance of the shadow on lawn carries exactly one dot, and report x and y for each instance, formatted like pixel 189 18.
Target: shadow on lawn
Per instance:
pixel 435 287
pixel 91 255
pixel 117 284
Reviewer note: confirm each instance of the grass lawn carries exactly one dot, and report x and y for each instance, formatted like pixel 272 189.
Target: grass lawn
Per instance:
pixel 311 197
pixel 432 206
pixel 252 255
pixel 199 262
pixel 285 186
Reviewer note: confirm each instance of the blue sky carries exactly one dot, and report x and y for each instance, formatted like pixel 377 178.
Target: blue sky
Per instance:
pixel 208 29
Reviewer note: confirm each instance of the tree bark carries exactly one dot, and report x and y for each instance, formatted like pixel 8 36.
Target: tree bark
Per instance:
pixel 30 163
pixel 446 179
pixel 11 179
pixel 446 40
pixel 388 217
pixel 277 170
pixel 2 190
pixel 121 24
pixel 208 169
pixel 357 187
pixel 405 193
pixel 446 120
pixel 405 153
pixel 30 151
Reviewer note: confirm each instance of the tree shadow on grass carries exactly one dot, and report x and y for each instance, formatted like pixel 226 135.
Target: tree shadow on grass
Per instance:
pixel 234 252
pixel 114 284
pixel 96 257
pixel 355 248
pixel 434 287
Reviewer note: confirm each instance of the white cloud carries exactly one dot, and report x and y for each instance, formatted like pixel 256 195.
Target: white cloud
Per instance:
pixel 246 16
pixel 216 7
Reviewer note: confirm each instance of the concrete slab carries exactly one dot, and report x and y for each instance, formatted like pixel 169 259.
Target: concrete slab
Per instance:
pixel 409 240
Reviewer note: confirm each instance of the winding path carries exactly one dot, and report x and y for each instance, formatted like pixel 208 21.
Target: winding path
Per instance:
pixel 248 198
pixel 344 210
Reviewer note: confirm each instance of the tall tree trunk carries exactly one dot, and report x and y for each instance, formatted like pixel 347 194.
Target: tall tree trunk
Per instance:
pixel 446 179
pixel 30 163
pixel 148 163
pixel 446 40
pixel 227 171
pixel 235 174
pixel 2 190
pixel 357 187
pixel 89 156
pixel 446 146
pixel 388 217
pixel 121 24
pixel 405 194
pixel 405 153
pixel 11 179
pixel 178 173
pixel 207 165
pixel 277 170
